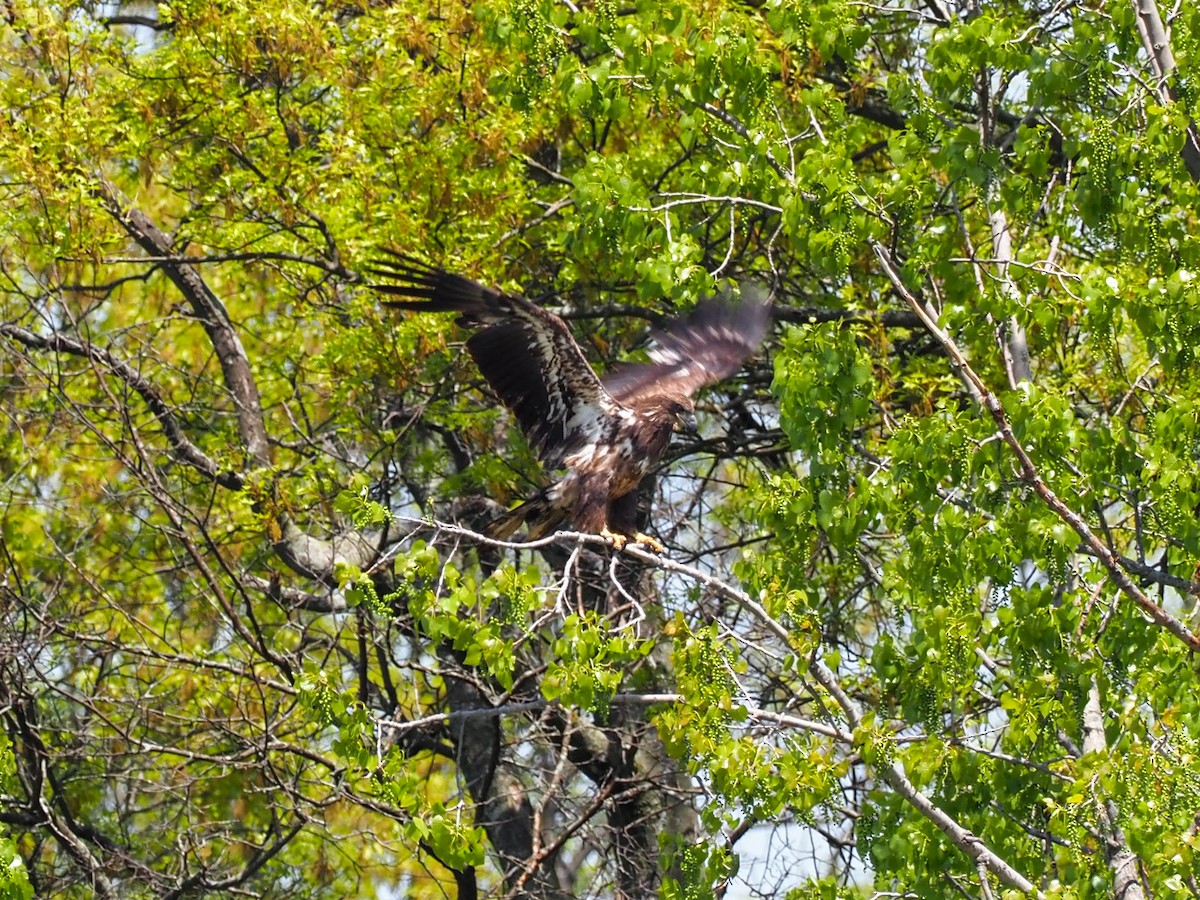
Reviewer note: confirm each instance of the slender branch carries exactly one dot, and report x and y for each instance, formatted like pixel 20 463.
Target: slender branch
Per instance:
pixel 261 856
pixel 551 211
pixel 530 866
pixel 1029 472
pixel 183 259
pixel 1149 573
pixel 65 835
pixel 308 555
pixel 297 598
pixel 184 450
pixel 137 22
pixel 736 124
pixel 689 198
pixel 814 315
pixel 939 11
pixel 893 774
pixel 208 310
pixel 1016 346
pixel 547 172
pixel 398 726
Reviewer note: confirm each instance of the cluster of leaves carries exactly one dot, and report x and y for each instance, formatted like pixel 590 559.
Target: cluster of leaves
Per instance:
pixel 14 881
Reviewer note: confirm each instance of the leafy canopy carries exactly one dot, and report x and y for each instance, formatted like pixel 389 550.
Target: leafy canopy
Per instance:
pixel 924 626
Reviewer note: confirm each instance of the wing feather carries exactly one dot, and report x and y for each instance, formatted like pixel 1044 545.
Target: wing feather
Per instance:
pixel 691 353
pixel 526 353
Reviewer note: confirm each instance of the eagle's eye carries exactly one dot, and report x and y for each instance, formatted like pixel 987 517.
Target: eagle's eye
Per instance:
pixel 685 421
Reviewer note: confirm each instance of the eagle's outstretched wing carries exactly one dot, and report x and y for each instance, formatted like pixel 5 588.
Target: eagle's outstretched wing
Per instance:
pixel 699 350
pixel 525 353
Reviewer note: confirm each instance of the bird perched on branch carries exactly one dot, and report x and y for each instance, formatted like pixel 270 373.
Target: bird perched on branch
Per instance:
pixel 606 433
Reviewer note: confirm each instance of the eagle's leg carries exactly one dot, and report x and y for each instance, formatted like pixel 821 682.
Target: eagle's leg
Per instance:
pixel 622 517
pixel 592 511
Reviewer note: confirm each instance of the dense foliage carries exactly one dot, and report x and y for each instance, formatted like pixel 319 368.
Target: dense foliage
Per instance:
pixel 924 626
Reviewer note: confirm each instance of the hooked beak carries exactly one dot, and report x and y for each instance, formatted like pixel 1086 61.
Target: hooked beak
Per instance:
pixel 685 421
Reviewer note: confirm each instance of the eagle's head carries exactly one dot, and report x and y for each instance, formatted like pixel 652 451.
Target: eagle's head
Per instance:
pixel 685 420
pixel 680 412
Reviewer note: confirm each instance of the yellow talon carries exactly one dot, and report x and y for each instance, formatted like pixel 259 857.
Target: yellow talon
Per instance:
pixel 618 540
pixel 647 541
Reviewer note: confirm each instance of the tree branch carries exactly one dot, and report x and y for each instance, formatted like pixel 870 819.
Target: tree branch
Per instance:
pixel 246 256
pixel 1029 472
pixel 1015 344
pixel 308 555
pixel 184 450
pixel 815 315
pixel 503 808
pixel 1158 47
pixel 1121 859
pixel 137 22
pixel 398 726
pixel 893 774
pixel 76 848
pixel 208 310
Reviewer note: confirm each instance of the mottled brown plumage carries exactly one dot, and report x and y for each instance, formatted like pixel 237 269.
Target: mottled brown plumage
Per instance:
pixel 607 434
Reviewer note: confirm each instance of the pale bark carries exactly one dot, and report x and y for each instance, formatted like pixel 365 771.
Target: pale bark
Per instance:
pixel 1122 861
pixel 1157 43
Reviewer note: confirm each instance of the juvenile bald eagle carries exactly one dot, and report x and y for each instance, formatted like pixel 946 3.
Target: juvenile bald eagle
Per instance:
pixel 607 433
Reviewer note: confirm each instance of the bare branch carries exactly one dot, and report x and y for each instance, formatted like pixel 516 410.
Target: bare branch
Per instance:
pixel 183 259
pixel 892 773
pixel 208 310
pixel 298 599
pixel 184 449
pixel 398 726
pixel 814 315
pixel 308 555
pixel 742 131
pixel 1121 859
pixel 551 211
pixel 137 22
pixel 1015 343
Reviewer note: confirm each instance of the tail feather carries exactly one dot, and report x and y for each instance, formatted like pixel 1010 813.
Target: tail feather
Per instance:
pixel 539 513
pixel 505 526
